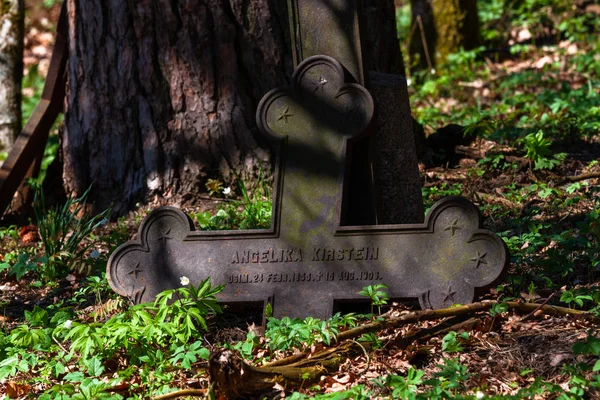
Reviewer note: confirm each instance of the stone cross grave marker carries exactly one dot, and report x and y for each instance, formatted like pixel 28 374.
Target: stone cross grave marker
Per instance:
pixel 306 261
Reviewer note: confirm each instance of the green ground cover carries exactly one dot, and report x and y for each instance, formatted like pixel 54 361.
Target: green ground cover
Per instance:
pixel 65 335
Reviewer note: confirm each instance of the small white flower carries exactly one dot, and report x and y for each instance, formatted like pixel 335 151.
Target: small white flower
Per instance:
pixel 479 395
pixel 408 81
pixel 95 254
pixel 184 281
pixel 432 71
pixel 68 324
pixel 227 191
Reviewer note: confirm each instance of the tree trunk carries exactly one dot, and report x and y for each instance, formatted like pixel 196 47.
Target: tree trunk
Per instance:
pixel 162 94
pixel 446 25
pixel 11 70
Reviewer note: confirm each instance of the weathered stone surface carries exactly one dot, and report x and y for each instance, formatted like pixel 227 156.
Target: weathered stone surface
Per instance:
pixel 329 27
pixel 395 165
pixel 306 261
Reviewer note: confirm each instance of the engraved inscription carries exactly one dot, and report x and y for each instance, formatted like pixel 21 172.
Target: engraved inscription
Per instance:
pixel 295 277
pixel 329 254
pixel 296 255
pixel 267 256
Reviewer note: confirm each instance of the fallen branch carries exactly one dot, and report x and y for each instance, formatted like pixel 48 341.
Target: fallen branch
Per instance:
pixel 456 324
pixel 477 153
pixel 182 393
pixel 577 178
pixel 538 308
pixel 428 315
pixel 234 378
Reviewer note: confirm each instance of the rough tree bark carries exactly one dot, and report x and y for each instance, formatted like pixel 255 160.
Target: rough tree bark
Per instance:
pixel 448 26
pixel 11 70
pixel 162 93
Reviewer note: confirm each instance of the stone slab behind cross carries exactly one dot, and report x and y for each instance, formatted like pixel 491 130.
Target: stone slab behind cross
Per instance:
pixel 385 186
pixel 330 27
pixel 306 261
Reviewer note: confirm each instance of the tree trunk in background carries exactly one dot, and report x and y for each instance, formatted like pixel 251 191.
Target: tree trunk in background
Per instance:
pixel 11 70
pixel 162 93
pixel 448 26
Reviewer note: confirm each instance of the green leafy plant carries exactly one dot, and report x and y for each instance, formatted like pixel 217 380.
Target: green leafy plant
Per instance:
pixel 189 354
pixel 539 151
pixel 591 346
pixel 246 347
pixel 358 392
pixel 453 342
pixel 176 315
pixel 189 307
pixel 25 262
pixel 372 339
pixel 252 212
pixel 405 387
pixel 498 309
pixel 377 294
pixel 452 375
pixel 573 298
pixel 286 333
pixel 214 187
pixel 62 231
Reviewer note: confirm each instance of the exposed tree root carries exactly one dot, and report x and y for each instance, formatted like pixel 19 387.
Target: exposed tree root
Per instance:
pixel 234 378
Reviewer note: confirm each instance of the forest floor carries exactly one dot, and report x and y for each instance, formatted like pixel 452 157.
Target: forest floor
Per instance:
pixel 528 160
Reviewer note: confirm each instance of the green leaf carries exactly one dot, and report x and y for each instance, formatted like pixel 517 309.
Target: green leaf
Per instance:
pixel 590 346
pixel 76 376
pixel 94 366
pixel 4 266
pixel 203 353
pixel 58 369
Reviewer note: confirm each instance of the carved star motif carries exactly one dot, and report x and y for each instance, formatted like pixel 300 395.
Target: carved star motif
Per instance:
pixel 449 295
pixel 453 227
pixel 479 259
pixel 135 271
pixel 165 236
pixel 284 115
pixel 321 84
